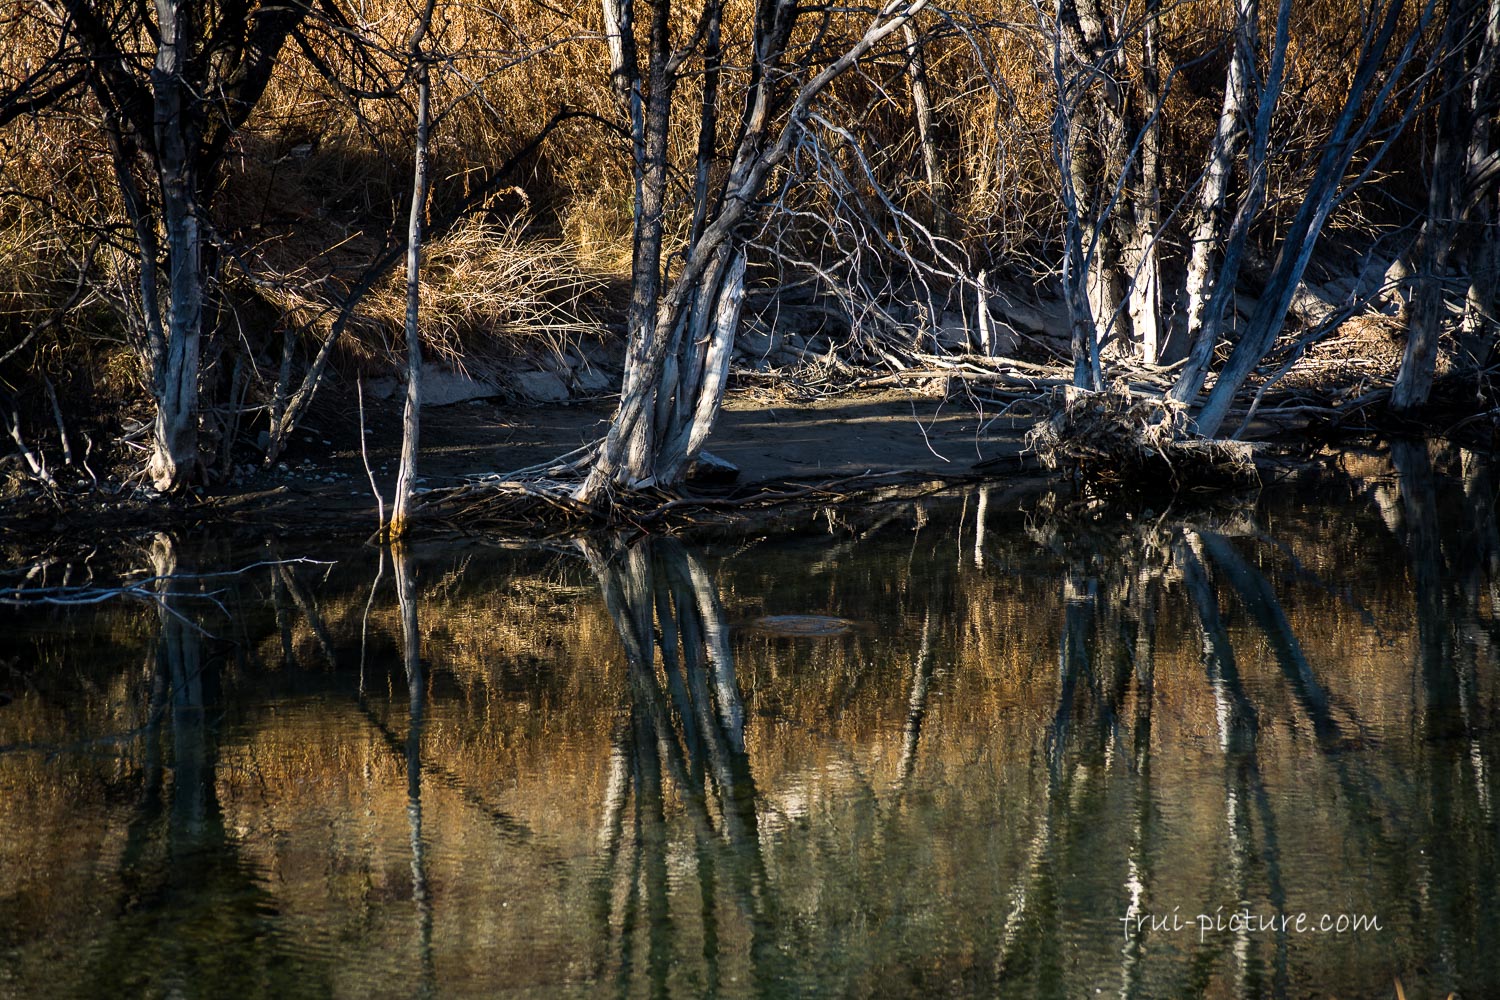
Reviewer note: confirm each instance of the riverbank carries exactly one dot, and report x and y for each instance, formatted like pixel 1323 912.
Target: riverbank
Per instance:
pixel 942 424
pixel 321 482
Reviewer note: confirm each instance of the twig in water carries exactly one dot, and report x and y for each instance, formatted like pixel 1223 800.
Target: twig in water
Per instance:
pixel 359 392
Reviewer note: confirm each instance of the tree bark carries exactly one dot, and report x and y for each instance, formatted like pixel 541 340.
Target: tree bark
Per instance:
pixel 921 99
pixel 174 457
pixel 411 417
pixel 1444 194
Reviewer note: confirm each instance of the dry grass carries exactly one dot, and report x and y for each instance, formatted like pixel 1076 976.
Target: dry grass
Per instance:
pixel 489 291
pixel 319 176
pixel 516 63
pixel 29 248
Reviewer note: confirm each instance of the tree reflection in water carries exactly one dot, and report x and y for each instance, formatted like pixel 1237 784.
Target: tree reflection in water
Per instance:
pixel 1452 571
pixel 1244 786
pixel 411 661
pixel 193 919
pixel 683 722
pixel 1029 731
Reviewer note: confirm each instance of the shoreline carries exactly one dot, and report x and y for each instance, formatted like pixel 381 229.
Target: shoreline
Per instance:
pixel 889 435
pixel 321 482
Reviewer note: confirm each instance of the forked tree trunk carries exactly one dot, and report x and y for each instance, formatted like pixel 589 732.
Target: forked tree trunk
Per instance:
pixel 666 415
pixel 1364 107
pixel 703 370
pixel 172 124
pixel 177 117
pixel 682 330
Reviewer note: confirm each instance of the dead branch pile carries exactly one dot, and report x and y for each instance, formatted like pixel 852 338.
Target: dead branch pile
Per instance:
pixel 1124 440
pixel 529 506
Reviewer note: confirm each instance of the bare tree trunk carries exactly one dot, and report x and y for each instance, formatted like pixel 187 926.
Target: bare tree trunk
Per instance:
pixel 716 316
pixel 1444 193
pixel 649 127
pixel 1141 262
pixel 1481 237
pixel 921 99
pixel 1480 327
pixel 1429 306
pixel 1082 317
pixel 411 417
pixel 1100 147
pixel 1209 293
pixel 174 457
pixel 153 335
pixel 1209 216
pixel 1363 109
pixel 708 115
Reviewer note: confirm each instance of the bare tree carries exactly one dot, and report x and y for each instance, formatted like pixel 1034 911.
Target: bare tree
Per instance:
pixel 1218 243
pixel 921 100
pixel 1142 258
pixel 411 418
pixel 173 84
pixel 1358 130
pixel 681 330
pixel 1107 137
pixel 1088 139
pixel 1107 142
pixel 1461 190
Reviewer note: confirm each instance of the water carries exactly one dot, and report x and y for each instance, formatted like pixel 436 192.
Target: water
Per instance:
pixel 944 747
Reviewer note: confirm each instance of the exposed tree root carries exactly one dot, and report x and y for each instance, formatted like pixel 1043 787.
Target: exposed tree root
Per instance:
pixel 1117 439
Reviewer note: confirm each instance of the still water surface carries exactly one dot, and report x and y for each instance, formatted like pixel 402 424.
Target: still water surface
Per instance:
pixel 944 747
